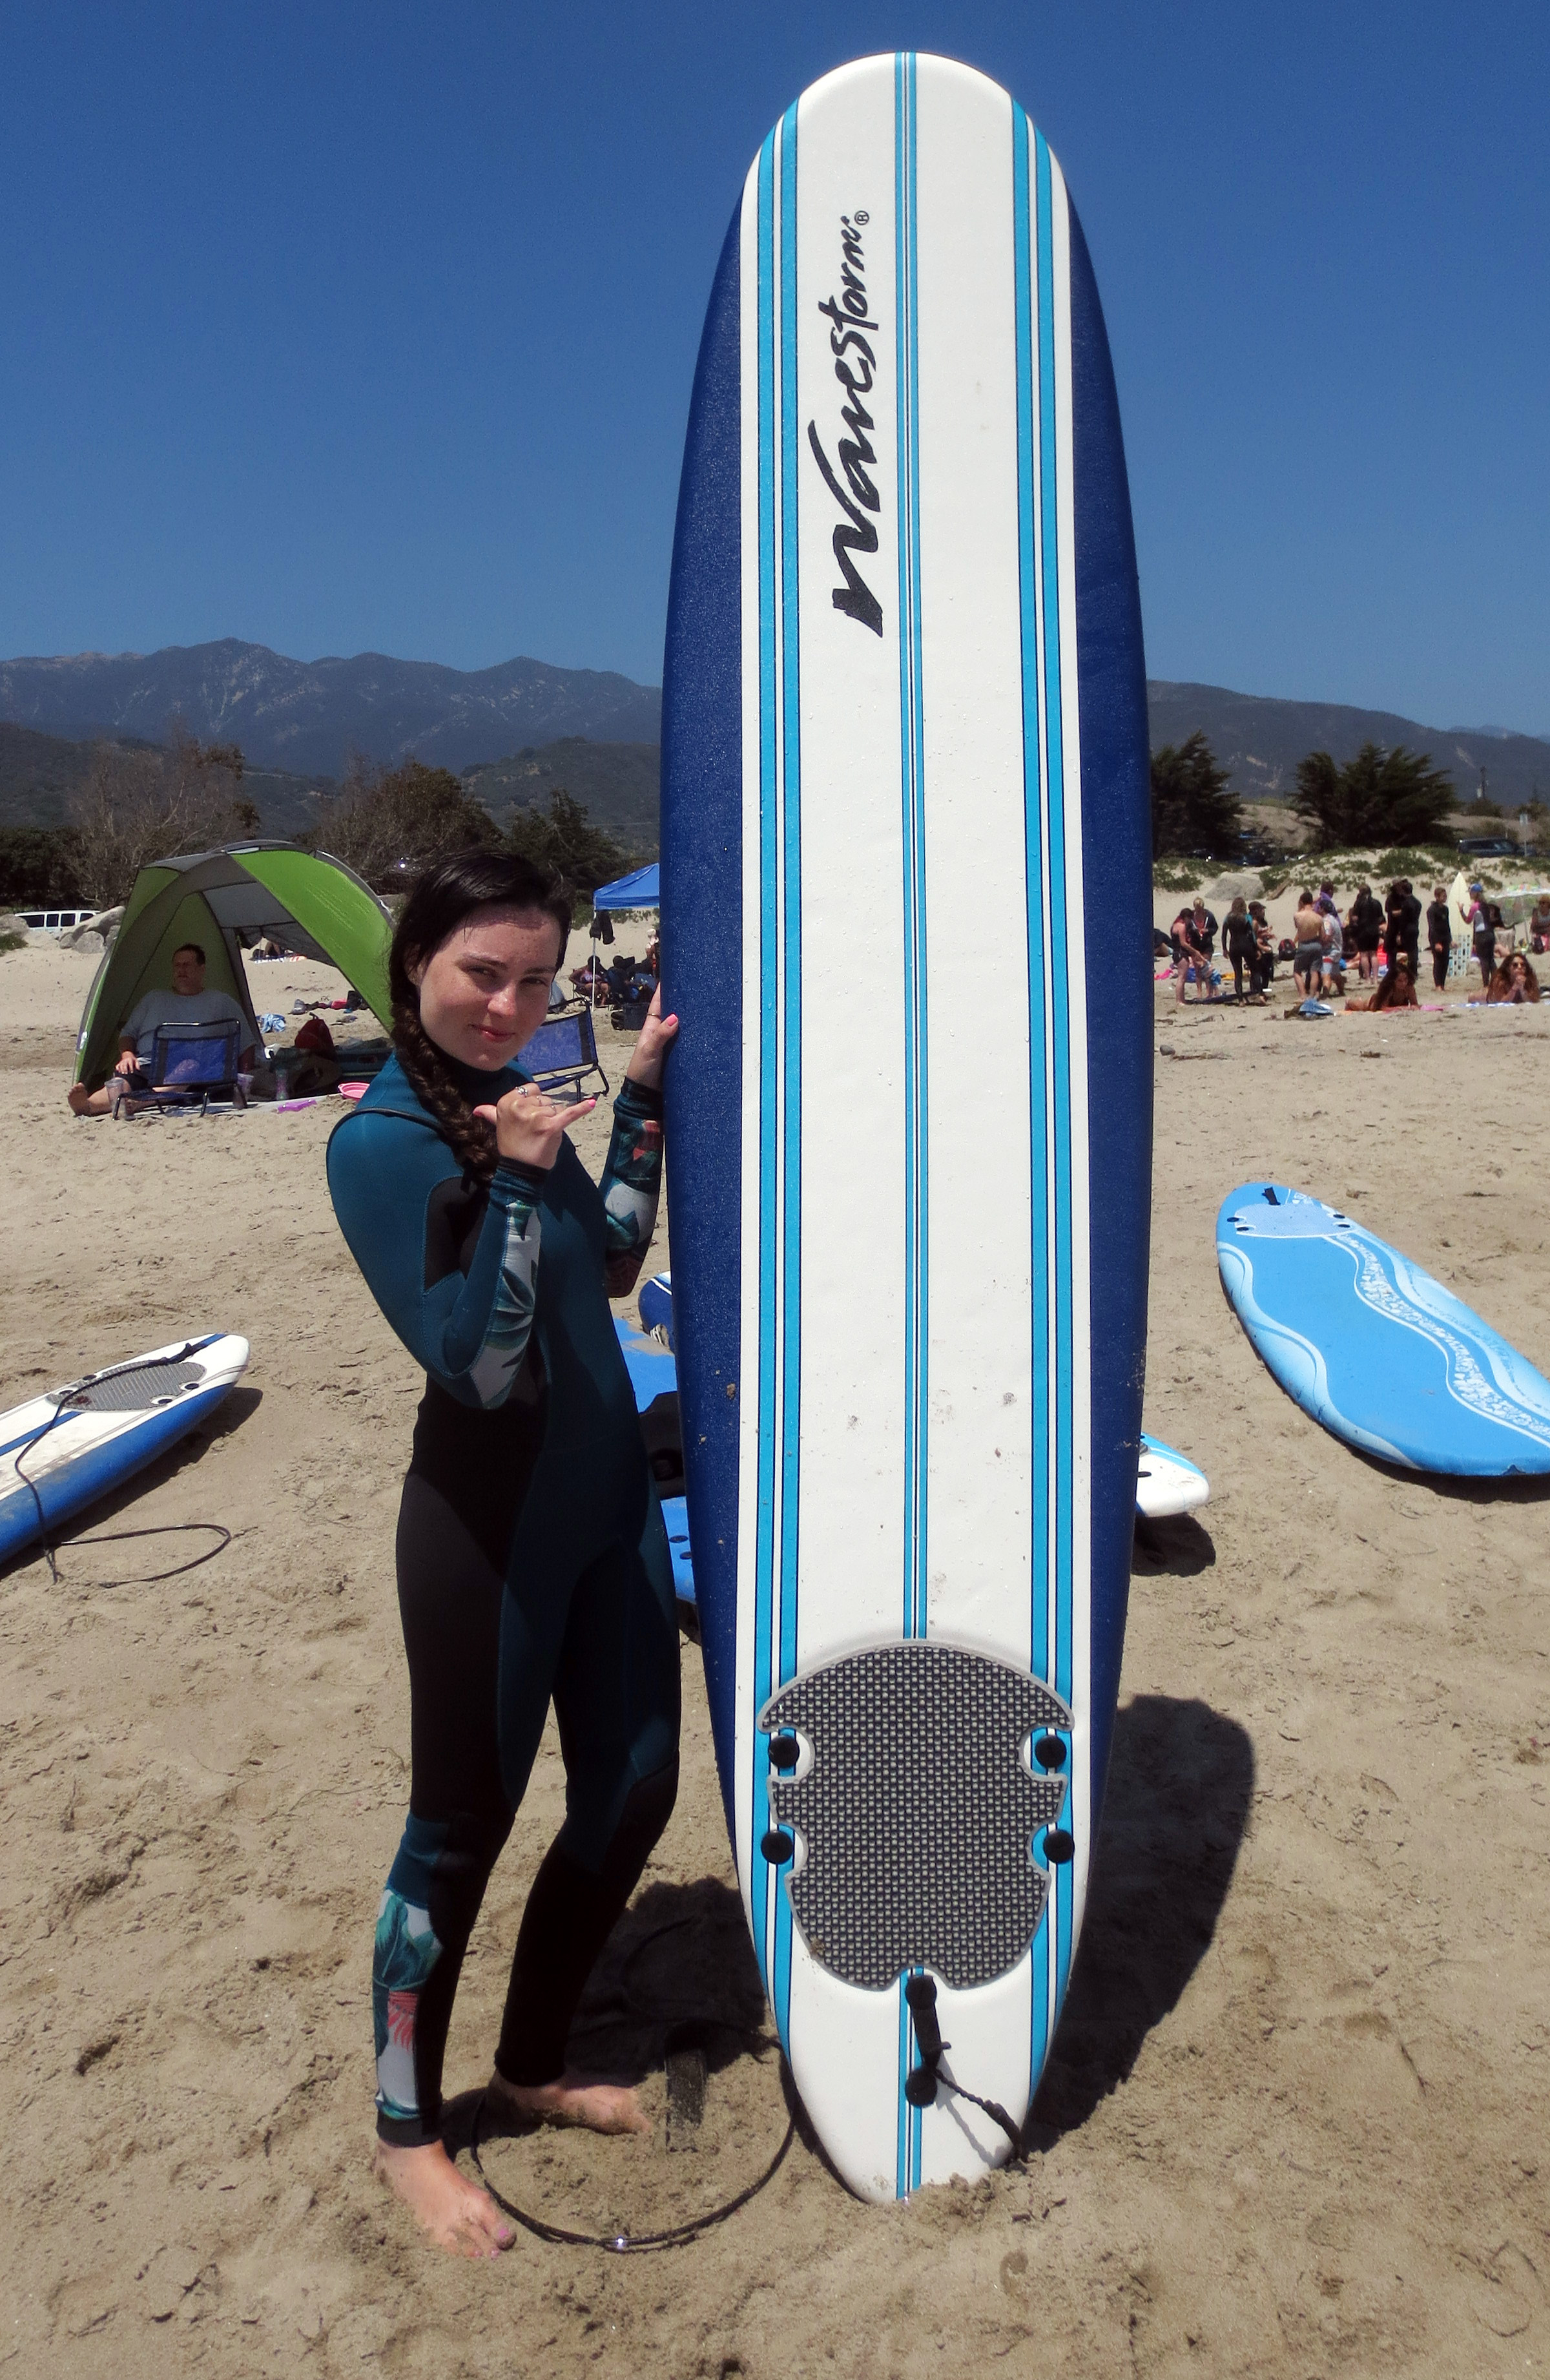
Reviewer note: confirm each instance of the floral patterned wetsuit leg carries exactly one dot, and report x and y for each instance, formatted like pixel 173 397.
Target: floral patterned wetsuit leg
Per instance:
pixel 532 1565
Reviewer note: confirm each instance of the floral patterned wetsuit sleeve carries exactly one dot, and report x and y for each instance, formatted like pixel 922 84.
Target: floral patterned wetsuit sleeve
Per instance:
pixel 632 1184
pixel 478 1327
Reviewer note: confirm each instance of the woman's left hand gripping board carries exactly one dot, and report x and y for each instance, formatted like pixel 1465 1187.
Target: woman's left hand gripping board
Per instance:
pixel 656 1036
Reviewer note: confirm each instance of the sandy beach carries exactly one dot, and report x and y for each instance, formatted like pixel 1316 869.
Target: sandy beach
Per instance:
pixel 1296 2118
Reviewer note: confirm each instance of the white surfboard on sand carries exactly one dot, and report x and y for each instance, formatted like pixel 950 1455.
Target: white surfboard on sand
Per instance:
pixel 1167 1482
pixel 60 1452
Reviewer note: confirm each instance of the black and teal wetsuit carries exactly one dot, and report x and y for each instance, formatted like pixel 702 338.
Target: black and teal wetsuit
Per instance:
pixel 532 1565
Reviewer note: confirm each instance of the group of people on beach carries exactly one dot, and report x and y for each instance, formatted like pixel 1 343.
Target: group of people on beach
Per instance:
pixel 1383 937
pixel 625 982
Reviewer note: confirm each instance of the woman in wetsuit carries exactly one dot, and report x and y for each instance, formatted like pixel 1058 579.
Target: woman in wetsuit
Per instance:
pixel 532 1560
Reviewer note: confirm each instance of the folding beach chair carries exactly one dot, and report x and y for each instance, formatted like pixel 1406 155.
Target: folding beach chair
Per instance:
pixel 191 1064
pixel 562 1053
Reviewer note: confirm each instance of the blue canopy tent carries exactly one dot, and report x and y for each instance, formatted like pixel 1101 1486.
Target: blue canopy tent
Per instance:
pixel 642 888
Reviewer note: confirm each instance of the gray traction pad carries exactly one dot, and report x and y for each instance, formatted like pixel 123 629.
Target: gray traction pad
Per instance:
pixel 918 1814
pixel 135 1388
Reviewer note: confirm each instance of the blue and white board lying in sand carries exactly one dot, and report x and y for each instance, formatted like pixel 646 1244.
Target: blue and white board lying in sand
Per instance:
pixel 1167 1482
pixel 904 694
pixel 60 1452
pixel 654 1378
pixel 1372 1346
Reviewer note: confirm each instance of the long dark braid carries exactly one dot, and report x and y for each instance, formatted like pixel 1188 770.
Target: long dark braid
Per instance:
pixel 441 898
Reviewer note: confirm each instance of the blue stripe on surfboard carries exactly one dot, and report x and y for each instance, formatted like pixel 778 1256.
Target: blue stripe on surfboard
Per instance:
pixel 913 838
pixel 763 1581
pixel 1037 1106
pixel 1064 1880
pixel 901 2118
pixel 1033 863
pixel 1060 1085
pixel 911 792
pixel 29 1436
pixel 791 977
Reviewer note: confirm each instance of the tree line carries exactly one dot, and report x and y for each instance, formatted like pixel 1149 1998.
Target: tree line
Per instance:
pixel 389 823
pixel 1380 797
pixel 386 824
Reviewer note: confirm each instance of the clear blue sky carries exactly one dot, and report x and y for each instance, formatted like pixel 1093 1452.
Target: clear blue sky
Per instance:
pixel 362 327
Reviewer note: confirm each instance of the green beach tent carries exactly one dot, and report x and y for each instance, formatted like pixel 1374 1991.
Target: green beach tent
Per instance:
pixel 221 899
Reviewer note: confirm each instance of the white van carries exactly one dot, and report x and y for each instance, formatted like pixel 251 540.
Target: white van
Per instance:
pixel 54 921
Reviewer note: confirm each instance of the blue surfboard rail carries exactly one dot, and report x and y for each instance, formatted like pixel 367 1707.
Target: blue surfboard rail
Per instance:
pixel 702 880
pixel 1372 1347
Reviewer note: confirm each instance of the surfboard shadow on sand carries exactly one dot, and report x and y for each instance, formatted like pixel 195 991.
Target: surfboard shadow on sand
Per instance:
pixel 1176 1543
pixel 1180 1786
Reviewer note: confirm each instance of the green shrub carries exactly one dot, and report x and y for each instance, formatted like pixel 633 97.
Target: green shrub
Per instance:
pixel 1167 877
pixel 1408 861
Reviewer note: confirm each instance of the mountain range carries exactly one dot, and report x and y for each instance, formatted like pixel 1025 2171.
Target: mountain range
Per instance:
pixel 523 727
pixel 1259 740
pixel 306 718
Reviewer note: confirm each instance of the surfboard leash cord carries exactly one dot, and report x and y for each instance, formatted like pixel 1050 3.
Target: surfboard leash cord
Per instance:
pixel 117 1536
pixel 928 2078
pixel 627 2244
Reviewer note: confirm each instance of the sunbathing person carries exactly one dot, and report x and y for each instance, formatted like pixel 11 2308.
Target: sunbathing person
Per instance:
pixel 1514 980
pixel 1397 989
pixel 186 1004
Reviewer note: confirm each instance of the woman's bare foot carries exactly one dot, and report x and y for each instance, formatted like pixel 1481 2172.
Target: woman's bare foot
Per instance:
pixel 458 2214
pixel 597 2107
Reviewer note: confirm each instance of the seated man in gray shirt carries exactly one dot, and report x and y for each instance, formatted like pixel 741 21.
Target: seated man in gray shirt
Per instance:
pixel 186 1004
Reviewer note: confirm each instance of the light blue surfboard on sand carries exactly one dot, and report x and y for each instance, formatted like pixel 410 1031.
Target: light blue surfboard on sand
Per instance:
pixel 1373 1347
pixel 904 681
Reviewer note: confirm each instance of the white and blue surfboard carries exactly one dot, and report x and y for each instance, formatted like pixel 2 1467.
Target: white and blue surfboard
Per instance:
pixel 1373 1347
pixel 904 688
pixel 1167 1483
pixel 62 1451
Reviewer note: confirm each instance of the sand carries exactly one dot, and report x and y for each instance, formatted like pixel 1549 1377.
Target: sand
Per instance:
pixel 1297 2117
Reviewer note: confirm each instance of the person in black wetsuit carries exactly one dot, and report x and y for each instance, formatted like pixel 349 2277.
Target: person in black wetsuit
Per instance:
pixel 1439 934
pixel 1365 921
pixel 1403 915
pixel 532 1560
